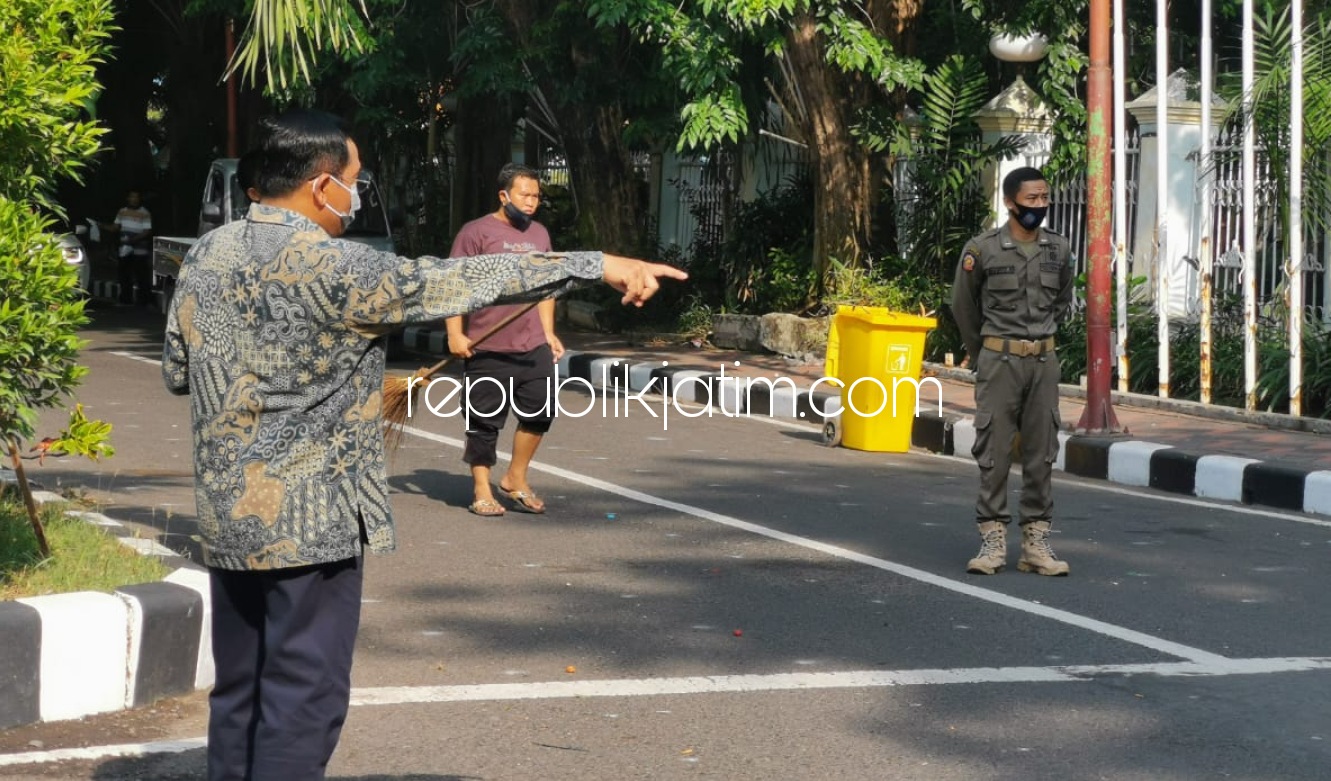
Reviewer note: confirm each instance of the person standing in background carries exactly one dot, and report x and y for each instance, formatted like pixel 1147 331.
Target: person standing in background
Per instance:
pixel 134 224
pixel 520 358
pixel 1012 288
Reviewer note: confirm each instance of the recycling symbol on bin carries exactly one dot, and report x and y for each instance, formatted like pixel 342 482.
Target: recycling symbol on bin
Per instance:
pixel 898 359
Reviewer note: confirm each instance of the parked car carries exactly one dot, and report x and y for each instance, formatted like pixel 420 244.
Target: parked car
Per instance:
pixel 76 254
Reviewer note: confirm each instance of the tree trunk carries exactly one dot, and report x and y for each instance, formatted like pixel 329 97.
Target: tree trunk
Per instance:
pixel 610 197
pixel 26 491
pixel 482 144
pixel 846 178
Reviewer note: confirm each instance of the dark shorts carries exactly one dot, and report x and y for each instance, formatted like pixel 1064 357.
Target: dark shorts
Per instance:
pixel 499 382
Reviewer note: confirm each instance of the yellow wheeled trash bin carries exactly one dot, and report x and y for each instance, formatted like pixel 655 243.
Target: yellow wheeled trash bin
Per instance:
pixel 876 354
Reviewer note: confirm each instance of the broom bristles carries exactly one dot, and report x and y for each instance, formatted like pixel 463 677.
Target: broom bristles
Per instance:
pixel 398 392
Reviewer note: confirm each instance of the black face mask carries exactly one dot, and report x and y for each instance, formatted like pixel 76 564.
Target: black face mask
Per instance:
pixel 517 217
pixel 1030 217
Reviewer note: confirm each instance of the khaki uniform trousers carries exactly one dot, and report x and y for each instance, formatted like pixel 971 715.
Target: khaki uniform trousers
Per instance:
pixel 1016 395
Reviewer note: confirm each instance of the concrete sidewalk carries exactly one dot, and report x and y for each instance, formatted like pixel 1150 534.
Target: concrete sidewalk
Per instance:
pixel 1177 446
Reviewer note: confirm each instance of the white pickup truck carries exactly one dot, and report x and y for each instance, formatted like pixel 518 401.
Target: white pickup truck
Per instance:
pixel 224 200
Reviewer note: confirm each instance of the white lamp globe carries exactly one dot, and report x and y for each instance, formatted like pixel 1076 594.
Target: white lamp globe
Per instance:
pixel 1018 48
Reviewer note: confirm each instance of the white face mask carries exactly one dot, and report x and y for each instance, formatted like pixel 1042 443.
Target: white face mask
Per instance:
pixel 355 204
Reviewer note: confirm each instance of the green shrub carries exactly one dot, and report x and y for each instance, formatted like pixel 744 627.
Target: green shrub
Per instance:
pixel 1273 377
pixel 1227 356
pixel 764 263
pixel 48 60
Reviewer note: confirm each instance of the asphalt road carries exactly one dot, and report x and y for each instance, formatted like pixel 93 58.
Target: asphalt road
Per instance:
pixel 736 601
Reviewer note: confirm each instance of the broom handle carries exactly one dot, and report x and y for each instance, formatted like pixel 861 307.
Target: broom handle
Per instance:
pixel 496 328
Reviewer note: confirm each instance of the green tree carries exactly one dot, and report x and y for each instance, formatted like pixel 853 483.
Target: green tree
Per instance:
pixel 48 56
pixel 603 95
pixel 945 159
pixel 1271 96
pixel 590 89
pixel 840 61
pixel 835 64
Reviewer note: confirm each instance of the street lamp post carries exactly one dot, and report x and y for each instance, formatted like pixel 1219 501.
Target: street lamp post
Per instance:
pixel 1098 417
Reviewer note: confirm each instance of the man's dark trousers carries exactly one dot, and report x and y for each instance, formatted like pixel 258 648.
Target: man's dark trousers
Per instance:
pixel 282 645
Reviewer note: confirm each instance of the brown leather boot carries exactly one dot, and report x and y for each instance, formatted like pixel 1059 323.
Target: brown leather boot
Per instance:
pixel 1036 555
pixel 993 551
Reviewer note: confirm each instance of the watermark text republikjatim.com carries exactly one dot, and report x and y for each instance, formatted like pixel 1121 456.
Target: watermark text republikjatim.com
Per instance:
pixel 449 397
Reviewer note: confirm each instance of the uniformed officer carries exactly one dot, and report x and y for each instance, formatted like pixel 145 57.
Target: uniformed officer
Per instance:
pixel 1013 286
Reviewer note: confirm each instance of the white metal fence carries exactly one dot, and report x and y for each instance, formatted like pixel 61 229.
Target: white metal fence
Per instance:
pixel 1067 203
pixel 702 186
pixel 1226 228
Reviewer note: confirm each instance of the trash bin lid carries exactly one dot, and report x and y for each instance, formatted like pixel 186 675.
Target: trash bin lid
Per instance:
pixel 882 316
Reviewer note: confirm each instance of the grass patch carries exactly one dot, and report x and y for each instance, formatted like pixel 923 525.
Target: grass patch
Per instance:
pixel 83 556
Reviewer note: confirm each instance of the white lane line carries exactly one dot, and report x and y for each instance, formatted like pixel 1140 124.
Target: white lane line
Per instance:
pixel 852 679
pixel 133 357
pixel 722 684
pixel 1090 624
pixel 103 752
pixel 702 684
pixel 1100 485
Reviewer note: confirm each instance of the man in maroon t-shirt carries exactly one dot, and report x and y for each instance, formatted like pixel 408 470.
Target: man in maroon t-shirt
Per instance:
pixel 520 357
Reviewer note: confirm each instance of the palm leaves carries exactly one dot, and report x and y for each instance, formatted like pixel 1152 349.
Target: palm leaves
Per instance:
pixel 941 159
pixel 288 35
pixel 1270 108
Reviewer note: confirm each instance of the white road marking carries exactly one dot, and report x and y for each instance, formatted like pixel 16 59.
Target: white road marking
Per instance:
pixel 1090 624
pixel 103 752
pixel 851 679
pixel 723 684
pixel 134 357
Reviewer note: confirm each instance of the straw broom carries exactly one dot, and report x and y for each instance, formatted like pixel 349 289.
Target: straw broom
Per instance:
pixel 399 391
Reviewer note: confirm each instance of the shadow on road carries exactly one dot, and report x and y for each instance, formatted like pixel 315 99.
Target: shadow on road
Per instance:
pixel 451 488
pixel 192 766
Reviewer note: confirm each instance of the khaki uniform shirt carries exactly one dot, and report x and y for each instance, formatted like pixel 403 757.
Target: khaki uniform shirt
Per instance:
pixel 998 291
pixel 273 334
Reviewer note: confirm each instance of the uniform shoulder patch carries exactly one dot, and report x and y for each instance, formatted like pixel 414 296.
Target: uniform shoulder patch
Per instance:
pixel 968 260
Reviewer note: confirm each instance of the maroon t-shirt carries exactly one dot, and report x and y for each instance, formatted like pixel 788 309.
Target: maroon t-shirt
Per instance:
pixel 490 235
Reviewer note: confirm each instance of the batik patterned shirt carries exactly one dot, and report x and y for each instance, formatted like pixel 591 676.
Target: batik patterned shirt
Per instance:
pixel 274 332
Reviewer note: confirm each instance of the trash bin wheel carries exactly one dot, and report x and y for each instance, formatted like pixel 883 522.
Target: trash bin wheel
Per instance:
pixel 831 432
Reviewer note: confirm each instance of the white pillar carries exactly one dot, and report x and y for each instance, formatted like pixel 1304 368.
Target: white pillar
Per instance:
pixel 1175 209
pixel 1249 215
pixel 1162 227
pixel 1016 111
pixel 1296 209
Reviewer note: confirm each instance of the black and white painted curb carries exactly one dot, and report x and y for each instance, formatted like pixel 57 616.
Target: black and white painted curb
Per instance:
pixel 425 339
pixel 1163 467
pixel 66 656
pixel 1127 462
